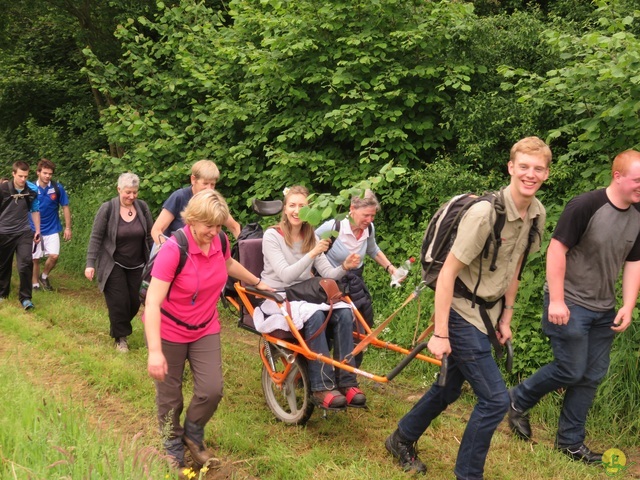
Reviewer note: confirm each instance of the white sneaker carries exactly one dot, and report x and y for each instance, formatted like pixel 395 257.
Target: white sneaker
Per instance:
pixel 121 345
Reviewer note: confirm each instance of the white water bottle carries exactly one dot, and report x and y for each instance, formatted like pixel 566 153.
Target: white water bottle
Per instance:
pixel 401 273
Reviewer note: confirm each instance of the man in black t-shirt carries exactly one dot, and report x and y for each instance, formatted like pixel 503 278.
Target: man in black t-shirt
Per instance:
pixel 597 235
pixel 18 198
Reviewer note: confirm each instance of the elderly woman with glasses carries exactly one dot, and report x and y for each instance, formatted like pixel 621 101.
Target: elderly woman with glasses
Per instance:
pixel 356 235
pixel 119 248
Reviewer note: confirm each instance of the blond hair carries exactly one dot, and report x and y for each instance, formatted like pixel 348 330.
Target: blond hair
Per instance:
pixel 531 146
pixel 205 170
pixel 207 207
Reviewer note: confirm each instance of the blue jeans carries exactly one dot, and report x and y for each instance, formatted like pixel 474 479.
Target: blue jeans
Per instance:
pixel 581 360
pixel 470 360
pixel 321 375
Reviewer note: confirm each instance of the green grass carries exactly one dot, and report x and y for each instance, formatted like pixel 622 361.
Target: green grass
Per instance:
pixel 46 435
pixel 73 400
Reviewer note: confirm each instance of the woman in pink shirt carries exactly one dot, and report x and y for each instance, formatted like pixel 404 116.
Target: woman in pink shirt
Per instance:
pixel 181 322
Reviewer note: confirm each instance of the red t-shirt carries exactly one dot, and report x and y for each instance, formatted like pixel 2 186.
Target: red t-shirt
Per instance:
pixel 204 274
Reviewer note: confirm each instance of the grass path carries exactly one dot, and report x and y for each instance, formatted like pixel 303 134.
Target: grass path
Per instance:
pixel 63 349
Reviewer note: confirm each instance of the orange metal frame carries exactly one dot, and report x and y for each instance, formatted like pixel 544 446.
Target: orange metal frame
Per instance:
pixel 299 346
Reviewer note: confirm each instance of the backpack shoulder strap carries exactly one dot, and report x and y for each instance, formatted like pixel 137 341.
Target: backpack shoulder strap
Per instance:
pixel 499 210
pixel 336 227
pixel 183 244
pixel 533 231
pixel 5 196
pixel 223 242
pixel 56 188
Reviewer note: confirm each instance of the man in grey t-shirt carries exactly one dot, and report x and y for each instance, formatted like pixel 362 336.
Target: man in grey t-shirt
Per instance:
pixel 597 235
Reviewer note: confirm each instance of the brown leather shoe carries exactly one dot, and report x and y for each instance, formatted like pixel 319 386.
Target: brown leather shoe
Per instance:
pixel 199 454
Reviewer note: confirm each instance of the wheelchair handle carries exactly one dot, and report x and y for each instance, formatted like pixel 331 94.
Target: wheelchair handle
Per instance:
pixel 266 208
pixel 509 355
pixel 405 361
pixel 263 293
pixel 442 374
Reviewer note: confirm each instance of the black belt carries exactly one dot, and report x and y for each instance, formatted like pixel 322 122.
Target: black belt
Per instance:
pixel 188 326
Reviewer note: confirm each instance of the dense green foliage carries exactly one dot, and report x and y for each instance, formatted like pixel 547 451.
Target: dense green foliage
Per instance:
pixel 417 99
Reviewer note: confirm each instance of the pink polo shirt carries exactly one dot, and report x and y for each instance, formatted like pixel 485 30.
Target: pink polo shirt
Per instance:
pixel 204 274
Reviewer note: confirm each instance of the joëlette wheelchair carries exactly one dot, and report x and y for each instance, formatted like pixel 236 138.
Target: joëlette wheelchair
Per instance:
pixel 284 353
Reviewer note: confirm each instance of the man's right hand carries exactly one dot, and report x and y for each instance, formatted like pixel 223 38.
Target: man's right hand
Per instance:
pixel 558 313
pixel 439 346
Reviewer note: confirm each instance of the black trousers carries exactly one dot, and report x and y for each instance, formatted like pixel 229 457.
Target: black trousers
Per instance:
pixel 20 244
pixel 123 302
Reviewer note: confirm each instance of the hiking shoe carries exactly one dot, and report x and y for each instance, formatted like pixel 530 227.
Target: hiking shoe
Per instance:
pixel 46 285
pixel 582 454
pixel 28 304
pixel 121 345
pixel 405 452
pixel 518 421
pixel 199 454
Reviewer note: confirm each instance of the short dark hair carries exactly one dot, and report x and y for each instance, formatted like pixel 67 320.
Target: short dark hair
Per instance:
pixel 46 163
pixel 20 165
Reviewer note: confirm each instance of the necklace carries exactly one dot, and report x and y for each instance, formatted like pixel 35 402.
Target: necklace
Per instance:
pixel 130 213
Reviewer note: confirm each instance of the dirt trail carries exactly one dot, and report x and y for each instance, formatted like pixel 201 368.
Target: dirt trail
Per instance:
pixel 109 412
pixel 106 411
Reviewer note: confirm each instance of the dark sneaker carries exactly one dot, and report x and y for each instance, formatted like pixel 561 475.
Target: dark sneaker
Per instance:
pixel 36 287
pixel 582 454
pixel 518 421
pixel 28 305
pixel 121 345
pixel 405 452
pixel 46 285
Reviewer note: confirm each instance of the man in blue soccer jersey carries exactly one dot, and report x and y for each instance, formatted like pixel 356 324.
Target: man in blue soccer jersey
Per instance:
pixel 51 196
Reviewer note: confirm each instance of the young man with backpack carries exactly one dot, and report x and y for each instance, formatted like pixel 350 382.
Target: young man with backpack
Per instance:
pixel 18 198
pixel 460 332
pixel 597 236
pixel 204 176
pixel 51 196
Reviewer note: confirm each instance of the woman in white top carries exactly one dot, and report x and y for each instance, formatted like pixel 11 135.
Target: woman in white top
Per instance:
pixel 290 251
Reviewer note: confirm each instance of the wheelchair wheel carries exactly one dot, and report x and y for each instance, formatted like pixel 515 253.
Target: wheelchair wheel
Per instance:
pixel 290 402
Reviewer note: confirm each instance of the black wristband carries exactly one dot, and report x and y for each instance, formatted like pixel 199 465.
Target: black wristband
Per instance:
pixel 388 267
pixel 256 284
pixel 440 336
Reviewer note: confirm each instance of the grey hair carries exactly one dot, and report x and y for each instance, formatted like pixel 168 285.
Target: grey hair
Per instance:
pixel 367 200
pixel 128 180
